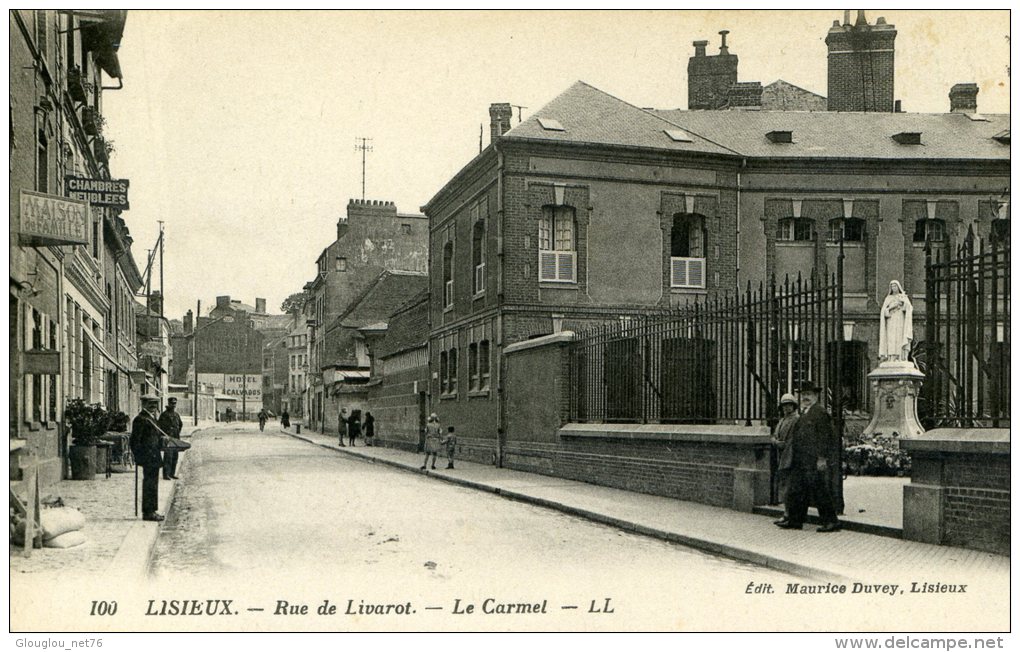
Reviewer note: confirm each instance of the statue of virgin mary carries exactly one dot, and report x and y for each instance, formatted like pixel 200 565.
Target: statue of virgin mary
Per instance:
pixel 896 327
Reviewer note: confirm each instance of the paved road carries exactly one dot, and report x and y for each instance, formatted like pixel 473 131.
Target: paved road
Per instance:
pixel 264 511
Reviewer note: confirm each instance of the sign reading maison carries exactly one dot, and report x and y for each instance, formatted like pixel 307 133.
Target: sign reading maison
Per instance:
pixel 99 192
pixel 48 220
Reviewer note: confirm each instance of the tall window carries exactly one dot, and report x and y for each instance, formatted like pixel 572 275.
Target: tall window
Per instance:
pixel 473 365
pixel 448 275
pixel 478 255
pixel 42 176
pixel 452 369
pixel 483 364
pixel 444 371
pixel 557 236
pixel 794 229
pixel 687 251
pixel 929 230
pixel 41 31
pixel 852 229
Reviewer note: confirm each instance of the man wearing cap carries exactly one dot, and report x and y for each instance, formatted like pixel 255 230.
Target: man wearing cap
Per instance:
pixel 145 446
pixel 170 423
pixel 781 439
pixel 809 477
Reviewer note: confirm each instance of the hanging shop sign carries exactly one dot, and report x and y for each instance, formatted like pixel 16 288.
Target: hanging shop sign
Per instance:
pixel 112 193
pixel 46 363
pixel 154 348
pixel 47 220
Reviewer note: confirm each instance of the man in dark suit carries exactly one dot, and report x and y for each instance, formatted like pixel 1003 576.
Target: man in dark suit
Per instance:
pixel 171 424
pixel 145 446
pixel 812 454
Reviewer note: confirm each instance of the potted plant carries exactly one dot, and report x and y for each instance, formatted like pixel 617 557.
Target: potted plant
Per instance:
pixel 88 423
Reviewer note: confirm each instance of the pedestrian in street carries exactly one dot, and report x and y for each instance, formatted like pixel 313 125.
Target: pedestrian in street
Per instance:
pixel 781 440
pixel 170 423
pixel 342 425
pixel 145 447
pixel 369 427
pixel 809 477
pixel 450 441
pixel 263 417
pixel 433 434
pixel 285 419
pixel 353 427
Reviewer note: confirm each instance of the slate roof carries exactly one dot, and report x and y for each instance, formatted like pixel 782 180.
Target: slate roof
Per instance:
pixel 407 328
pixel 589 115
pixel 377 301
pixel 837 134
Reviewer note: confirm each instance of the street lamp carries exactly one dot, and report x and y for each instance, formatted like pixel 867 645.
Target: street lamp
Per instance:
pixel 194 355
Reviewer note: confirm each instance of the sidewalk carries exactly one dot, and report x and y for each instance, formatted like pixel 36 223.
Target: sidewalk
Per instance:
pixel 836 557
pixel 117 541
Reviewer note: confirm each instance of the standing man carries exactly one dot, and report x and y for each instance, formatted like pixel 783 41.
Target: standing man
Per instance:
pixel 809 478
pixel 145 445
pixel 342 425
pixel 170 423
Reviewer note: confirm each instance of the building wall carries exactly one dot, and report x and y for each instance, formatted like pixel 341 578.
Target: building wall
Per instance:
pixel 397 400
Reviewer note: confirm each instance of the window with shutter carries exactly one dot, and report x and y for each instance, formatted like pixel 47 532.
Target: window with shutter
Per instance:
pixel 556 243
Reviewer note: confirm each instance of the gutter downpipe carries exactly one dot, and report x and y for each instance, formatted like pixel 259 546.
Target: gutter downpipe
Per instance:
pixel 743 164
pixel 500 402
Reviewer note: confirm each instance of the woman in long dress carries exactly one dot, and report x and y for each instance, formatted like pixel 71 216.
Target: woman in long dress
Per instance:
pixel 896 329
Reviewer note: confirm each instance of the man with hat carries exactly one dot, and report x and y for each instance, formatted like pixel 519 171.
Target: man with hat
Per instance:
pixel 145 445
pixel 170 423
pixel 809 477
pixel 781 440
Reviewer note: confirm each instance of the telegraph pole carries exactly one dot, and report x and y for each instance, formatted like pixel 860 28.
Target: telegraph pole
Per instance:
pixel 162 297
pixel 364 146
pixel 194 362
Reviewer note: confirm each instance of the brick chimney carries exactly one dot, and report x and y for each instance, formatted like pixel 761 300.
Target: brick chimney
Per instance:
pixel 745 95
pixel 155 303
pixel 260 306
pixel 861 65
pixel 963 98
pixel 499 120
pixel 188 318
pixel 709 78
pixel 223 301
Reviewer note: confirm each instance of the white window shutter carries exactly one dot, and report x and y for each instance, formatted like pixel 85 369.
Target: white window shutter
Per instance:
pixel 696 272
pixel 547 265
pixel 565 266
pixel 679 272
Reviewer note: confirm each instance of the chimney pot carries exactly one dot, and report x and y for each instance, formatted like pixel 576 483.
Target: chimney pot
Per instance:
pixel 699 48
pixel 846 16
pixel 861 20
pixel 260 305
pixel 722 45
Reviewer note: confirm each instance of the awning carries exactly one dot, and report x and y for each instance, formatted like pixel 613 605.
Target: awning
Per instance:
pixel 344 375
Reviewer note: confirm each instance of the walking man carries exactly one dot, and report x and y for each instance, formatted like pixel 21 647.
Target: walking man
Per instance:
pixel 809 478
pixel 170 423
pixel 145 445
pixel 342 425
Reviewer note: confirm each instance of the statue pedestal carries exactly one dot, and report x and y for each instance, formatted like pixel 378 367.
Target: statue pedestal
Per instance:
pixel 895 385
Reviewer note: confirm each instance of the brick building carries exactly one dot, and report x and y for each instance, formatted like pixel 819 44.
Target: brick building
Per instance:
pixel 72 275
pixel 371 238
pixel 593 210
pixel 297 363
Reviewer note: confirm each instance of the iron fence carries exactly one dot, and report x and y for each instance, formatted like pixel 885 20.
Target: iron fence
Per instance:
pixel 965 353
pixel 720 360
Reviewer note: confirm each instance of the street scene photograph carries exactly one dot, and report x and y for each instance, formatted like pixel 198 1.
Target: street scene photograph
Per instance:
pixel 685 321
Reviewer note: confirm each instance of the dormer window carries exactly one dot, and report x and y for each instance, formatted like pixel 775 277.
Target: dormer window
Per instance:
pixel 550 124
pixel 678 135
pixel 908 138
pixel 780 136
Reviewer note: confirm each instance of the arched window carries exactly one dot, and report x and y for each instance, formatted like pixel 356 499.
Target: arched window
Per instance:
pixel 448 275
pixel 478 255
pixel 794 229
pixel 687 251
pixel 557 243
pixel 930 230
pixel 852 229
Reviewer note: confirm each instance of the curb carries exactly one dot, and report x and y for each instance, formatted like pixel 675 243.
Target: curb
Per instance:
pixel 704 545
pixel 134 556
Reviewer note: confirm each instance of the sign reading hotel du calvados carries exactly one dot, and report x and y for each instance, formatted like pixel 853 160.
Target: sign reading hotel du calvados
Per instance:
pixel 47 220
pixel 112 193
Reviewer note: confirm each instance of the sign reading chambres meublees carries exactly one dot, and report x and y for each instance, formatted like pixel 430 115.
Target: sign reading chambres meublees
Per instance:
pixel 112 193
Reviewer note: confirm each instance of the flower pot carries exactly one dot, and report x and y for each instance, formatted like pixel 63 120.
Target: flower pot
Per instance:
pixel 83 462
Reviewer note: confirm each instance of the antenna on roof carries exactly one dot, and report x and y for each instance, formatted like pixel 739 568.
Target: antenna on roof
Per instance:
pixel 518 107
pixel 480 132
pixel 363 145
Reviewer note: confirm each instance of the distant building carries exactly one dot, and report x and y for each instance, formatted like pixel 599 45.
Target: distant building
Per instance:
pixel 371 238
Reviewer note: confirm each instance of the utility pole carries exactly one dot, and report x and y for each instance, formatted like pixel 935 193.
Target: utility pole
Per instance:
pixel 162 297
pixel 194 360
pixel 364 146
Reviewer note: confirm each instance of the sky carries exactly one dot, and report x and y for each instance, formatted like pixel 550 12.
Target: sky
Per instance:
pixel 237 129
